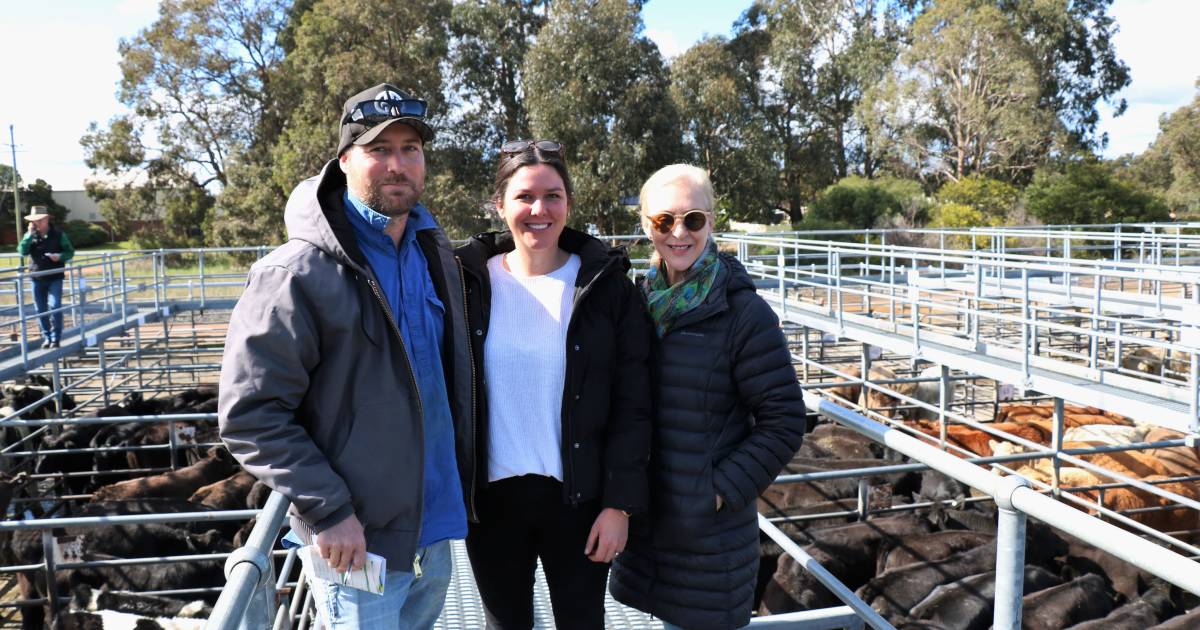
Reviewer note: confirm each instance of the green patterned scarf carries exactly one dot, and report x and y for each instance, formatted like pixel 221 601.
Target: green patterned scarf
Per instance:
pixel 667 302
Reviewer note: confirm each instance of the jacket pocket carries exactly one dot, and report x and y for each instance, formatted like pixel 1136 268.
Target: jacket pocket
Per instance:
pixel 381 464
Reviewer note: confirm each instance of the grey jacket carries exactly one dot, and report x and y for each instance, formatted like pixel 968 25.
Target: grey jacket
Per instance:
pixel 317 395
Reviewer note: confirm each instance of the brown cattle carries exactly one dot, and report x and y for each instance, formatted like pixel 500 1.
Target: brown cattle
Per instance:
pixel 1132 463
pixel 227 494
pixel 175 484
pixel 977 441
pixel 847 391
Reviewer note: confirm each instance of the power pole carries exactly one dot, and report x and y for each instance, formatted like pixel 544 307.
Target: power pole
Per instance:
pixel 12 143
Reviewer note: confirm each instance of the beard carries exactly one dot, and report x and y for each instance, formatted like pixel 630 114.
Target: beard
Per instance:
pixel 393 205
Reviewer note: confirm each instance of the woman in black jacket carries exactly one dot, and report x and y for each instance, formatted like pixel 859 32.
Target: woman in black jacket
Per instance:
pixel 560 341
pixel 730 416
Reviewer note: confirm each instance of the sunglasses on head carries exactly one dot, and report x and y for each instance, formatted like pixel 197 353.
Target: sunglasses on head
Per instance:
pixel 693 220
pixel 520 146
pixel 370 113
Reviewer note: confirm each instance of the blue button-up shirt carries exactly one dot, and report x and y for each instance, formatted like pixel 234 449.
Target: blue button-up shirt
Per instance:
pixel 403 275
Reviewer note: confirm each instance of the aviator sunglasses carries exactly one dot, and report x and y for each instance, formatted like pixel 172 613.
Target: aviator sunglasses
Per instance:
pixel 693 220
pixel 519 146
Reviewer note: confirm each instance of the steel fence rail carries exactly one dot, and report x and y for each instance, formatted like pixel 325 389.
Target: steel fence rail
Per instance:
pixel 248 600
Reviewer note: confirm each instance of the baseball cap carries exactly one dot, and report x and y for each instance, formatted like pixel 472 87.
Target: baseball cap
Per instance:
pixel 366 114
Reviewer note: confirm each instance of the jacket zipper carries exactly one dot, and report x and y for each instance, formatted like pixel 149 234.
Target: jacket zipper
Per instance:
pixel 412 379
pixel 462 280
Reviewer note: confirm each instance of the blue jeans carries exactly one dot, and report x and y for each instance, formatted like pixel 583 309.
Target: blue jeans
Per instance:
pixel 47 295
pixel 406 603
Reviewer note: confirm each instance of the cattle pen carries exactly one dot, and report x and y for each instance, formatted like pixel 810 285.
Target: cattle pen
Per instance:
pixel 950 374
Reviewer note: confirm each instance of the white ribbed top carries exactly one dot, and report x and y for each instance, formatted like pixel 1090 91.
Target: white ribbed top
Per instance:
pixel 525 360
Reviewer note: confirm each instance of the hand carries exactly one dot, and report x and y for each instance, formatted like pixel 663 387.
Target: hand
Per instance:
pixel 343 546
pixel 720 503
pixel 53 256
pixel 608 535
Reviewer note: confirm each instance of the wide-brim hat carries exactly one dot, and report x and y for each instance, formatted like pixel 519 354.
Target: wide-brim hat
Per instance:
pixel 366 114
pixel 36 215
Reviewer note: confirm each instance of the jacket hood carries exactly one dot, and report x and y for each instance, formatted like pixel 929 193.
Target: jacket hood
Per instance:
pixel 594 255
pixel 736 276
pixel 314 214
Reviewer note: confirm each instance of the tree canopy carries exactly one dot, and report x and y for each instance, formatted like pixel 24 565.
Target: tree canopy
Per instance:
pixel 234 102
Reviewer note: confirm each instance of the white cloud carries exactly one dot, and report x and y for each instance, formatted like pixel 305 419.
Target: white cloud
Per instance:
pixel 1157 40
pixel 1135 130
pixel 668 45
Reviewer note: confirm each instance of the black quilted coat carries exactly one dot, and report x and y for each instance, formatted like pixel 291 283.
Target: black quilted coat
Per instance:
pixel 730 415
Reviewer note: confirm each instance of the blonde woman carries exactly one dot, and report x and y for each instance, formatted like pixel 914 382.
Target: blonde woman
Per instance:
pixel 729 416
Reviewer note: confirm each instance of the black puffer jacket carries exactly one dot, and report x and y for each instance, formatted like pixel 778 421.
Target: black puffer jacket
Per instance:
pixel 606 407
pixel 730 415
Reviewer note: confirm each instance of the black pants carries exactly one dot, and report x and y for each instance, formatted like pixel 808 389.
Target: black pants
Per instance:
pixel 523 519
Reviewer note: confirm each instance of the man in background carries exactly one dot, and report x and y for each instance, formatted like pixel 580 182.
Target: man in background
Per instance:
pixel 48 249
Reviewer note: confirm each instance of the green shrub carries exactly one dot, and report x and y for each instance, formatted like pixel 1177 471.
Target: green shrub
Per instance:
pixel 851 205
pixel 84 234
pixel 993 198
pixel 1085 191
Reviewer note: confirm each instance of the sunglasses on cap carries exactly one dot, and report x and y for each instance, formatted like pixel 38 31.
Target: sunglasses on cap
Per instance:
pixel 693 220
pixel 370 113
pixel 520 146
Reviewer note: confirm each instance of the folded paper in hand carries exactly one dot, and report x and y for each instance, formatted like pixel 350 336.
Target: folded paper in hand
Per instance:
pixel 369 578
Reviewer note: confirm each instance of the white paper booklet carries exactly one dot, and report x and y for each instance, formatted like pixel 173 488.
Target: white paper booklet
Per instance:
pixel 369 578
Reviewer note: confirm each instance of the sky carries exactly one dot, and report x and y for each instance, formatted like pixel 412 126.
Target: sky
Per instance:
pixel 61 69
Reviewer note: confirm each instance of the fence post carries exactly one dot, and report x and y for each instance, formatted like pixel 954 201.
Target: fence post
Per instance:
pixel 1010 556
pixel 1027 329
pixel 48 564
pixel 202 292
pixel 21 316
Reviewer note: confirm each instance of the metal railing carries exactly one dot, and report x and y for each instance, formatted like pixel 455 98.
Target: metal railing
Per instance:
pixel 1005 299
pixel 1005 308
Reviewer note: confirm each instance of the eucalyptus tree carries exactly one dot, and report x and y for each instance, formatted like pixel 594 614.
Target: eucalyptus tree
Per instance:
pixel 595 83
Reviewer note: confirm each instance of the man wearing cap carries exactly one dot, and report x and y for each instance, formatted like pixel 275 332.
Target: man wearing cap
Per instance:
pixel 346 381
pixel 48 249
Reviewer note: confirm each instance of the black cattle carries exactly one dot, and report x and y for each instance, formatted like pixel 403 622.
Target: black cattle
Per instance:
pixel 1122 577
pixel 152 577
pixel 894 592
pixel 966 604
pixel 1189 621
pixel 936 486
pixel 72 437
pixel 124 541
pixel 160 506
pixel 928 547
pixel 1086 597
pixel 193 400
pixel 847 551
pixel 86 598
pixel 1155 605
pixel 787 499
